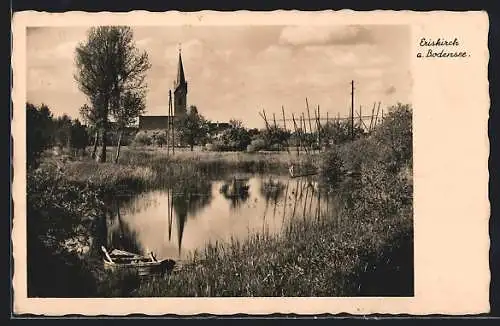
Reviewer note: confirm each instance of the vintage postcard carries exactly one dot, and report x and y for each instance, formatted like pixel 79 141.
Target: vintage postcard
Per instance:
pixel 250 162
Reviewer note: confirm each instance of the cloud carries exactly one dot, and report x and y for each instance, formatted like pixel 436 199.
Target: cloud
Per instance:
pixel 378 60
pixel 325 35
pixel 50 79
pixel 369 72
pixel 390 90
pixel 191 49
pixel 63 51
pixel 144 42
pixel 375 86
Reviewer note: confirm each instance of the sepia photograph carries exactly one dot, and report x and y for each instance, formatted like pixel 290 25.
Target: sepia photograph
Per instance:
pixel 219 161
pixel 284 162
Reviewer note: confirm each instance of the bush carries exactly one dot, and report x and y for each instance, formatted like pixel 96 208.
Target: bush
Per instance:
pixel 395 133
pixel 331 167
pixel 256 145
pixel 142 138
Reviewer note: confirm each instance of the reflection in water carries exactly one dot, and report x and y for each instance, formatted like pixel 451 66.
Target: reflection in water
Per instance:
pixel 216 213
pixel 120 235
pixel 189 200
pixel 236 191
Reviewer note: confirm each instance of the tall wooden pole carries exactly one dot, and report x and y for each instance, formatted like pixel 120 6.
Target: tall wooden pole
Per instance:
pixel 170 142
pixel 297 134
pixel 360 116
pixel 318 123
pixel 352 109
pixel 371 120
pixel 308 116
pixel 172 125
pixel 284 126
pixel 376 116
pixel 284 120
pixel 304 132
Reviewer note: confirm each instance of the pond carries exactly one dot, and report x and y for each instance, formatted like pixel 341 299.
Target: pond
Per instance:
pixel 174 221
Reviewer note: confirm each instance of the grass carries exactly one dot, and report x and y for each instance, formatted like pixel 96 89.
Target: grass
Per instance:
pixel 140 168
pixel 309 258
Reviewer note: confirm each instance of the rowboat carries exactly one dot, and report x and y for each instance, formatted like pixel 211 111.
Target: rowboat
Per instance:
pixel 305 173
pixel 120 260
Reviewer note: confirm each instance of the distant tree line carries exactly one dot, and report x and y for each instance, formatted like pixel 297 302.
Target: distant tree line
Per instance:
pixel 193 129
pixel 43 131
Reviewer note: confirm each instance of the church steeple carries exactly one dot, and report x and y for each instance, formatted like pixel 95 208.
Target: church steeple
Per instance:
pixel 180 72
pixel 180 90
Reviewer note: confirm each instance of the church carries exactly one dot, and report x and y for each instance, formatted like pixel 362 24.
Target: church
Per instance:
pixel 155 122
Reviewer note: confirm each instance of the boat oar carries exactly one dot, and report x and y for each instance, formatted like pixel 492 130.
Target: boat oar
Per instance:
pixel 107 255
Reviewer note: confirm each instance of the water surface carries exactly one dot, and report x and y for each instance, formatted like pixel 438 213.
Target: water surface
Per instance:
pixel 174 221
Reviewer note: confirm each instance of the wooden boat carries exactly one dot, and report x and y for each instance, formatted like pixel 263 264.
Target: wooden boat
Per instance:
pixel 296 174
pixel 120 260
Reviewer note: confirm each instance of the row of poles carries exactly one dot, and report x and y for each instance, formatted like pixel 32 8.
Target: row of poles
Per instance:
pixel 300 126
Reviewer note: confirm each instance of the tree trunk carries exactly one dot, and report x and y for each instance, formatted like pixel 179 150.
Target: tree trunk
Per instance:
pixel 118 146
pixel 96 141
pixel 101 157
pixel 192 147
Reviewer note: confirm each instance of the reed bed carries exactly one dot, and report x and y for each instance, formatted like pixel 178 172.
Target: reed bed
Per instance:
pixel 331 257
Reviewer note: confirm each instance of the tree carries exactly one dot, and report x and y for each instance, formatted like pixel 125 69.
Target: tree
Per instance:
pixel 132 105
pixel 396 132
pixel 109 64
pixel 79 136
pixel 38 132
pixel 276 136
pixel 62 131
pixel 236 137
pixel 89 116
pixel 192 127
pixel 340 131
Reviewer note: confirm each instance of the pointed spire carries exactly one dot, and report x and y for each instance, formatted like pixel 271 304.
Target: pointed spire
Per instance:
pixel 181 80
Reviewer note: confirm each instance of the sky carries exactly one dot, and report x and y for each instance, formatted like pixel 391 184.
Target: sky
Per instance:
pixel 233 72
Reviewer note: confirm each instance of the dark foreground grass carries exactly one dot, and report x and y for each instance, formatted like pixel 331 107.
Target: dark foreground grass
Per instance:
pixel 310 258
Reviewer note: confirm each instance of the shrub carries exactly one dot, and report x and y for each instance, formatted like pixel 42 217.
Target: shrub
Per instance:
pixel 331 167
pixel 142 138
pixel 256 145
pixel 395 133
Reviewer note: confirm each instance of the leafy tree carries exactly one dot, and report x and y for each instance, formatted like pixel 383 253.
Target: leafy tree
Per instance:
pixel 339 131
pixel 276 136
pixel 108 65
pixel 160 138
pixel 79 136
pixel 38 132
pixel 192 127
pixel 395 131
pixel 236 137
pixel 62 131
pixel 90 117
pixel 130 107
